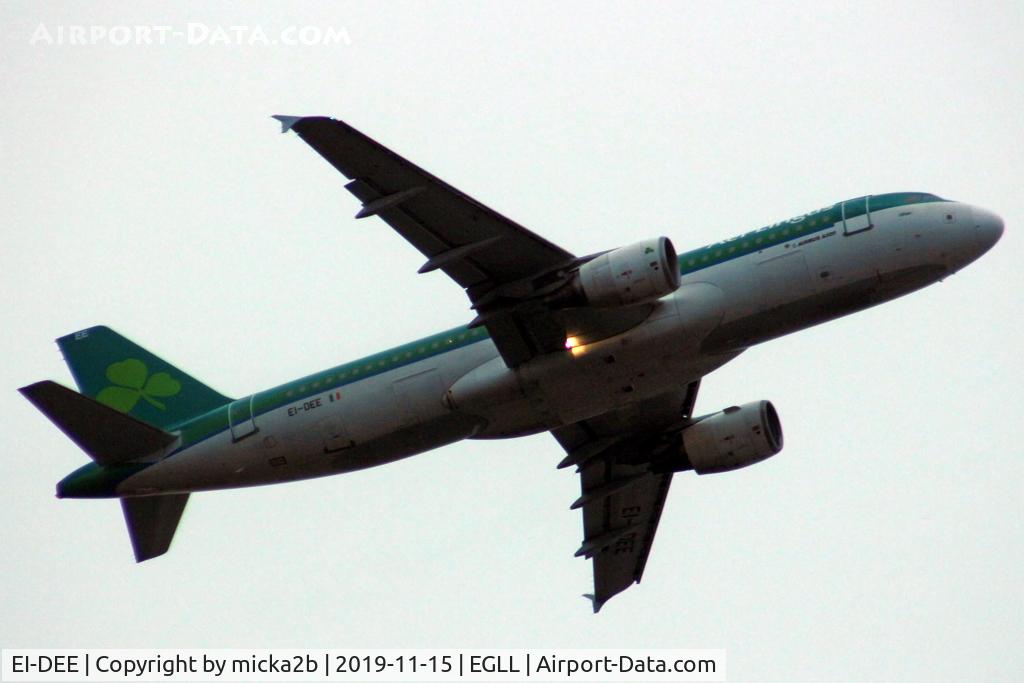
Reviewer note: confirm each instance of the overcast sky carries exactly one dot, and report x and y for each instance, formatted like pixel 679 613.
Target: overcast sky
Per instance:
pixel 146 188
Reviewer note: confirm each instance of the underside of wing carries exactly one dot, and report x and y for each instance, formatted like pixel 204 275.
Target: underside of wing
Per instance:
pixel 506 270
pixel 619 528
pixel 475 245
pixel 623 493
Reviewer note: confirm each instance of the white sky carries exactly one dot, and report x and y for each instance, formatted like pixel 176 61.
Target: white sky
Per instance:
pixel 146 188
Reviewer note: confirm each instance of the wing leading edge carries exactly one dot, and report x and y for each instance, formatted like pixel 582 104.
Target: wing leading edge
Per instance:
pixel 505 269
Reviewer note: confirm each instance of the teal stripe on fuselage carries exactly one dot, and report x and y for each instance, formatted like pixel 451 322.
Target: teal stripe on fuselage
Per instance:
pixel 94 481
pixel 799 226
pixel 210 424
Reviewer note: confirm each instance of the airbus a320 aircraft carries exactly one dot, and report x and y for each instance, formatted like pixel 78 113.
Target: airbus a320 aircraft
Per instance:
pixel 606 351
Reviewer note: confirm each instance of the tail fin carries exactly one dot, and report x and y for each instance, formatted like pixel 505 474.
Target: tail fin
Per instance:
pixel 152 521
pixel 107 436
pixel 118 373
pixel 110 437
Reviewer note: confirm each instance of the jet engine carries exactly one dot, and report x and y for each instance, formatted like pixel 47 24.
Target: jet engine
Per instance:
pixel 734 438
pixel 633 274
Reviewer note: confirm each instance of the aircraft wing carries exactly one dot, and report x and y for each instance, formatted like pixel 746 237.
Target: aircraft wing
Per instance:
pixel 504 268
pixel 622 496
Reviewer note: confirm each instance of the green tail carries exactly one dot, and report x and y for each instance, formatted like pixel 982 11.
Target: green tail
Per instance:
pixel 117 372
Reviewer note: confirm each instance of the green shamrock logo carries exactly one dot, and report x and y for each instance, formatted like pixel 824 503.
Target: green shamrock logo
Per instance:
pixel 132 382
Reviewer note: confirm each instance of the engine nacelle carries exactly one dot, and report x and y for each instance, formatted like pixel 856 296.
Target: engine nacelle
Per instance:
pixel 734 438
pixel 633 274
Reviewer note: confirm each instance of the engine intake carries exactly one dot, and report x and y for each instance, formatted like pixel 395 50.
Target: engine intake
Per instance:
pixel 633 274
pixel 734 438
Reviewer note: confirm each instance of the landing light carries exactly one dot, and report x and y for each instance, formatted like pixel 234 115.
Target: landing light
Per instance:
pixel 572 342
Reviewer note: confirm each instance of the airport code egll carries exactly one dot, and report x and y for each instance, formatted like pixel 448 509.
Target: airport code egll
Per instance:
pixel 363 665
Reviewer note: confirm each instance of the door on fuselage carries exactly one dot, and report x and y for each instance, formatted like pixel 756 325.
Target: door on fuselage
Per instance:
pixel 240 418
pixel 856 215
pixel 335 436
pixel 784 279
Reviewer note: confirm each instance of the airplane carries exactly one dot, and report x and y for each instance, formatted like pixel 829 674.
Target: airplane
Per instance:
pixel 606 351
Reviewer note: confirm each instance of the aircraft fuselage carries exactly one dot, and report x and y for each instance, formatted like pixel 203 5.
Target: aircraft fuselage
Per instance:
pixel 455 385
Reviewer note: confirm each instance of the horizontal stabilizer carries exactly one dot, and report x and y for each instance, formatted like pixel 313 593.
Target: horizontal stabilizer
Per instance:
pixel 152 521
pixel 108 436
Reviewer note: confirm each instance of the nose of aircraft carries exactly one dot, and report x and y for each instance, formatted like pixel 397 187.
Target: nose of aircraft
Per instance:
pixel 988 228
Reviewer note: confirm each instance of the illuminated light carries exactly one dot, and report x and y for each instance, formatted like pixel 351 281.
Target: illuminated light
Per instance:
pixel 572 342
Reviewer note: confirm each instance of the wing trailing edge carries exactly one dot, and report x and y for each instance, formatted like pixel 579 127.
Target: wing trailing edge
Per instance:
pixel 622 494
pixel 110 437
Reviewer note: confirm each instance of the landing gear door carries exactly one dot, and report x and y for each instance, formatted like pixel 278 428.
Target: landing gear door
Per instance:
pixel 240 418
pixel 856 215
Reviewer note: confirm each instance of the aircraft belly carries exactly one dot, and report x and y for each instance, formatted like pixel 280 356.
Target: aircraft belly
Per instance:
pixel 400 401
pixel 715 314
pixel 557 389
pixel 819 307
pixel 406 442
pixel 803 284
pixel 218 463
pixel 215 463
pixel 783 278
pixel 737 283
pixel 374 421
pixel 763 285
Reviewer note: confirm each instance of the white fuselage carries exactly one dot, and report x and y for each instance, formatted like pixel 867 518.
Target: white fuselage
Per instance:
pixel 469 392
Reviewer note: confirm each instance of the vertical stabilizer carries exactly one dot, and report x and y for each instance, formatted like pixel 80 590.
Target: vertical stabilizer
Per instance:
pixel 152 521
pixel 121 374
